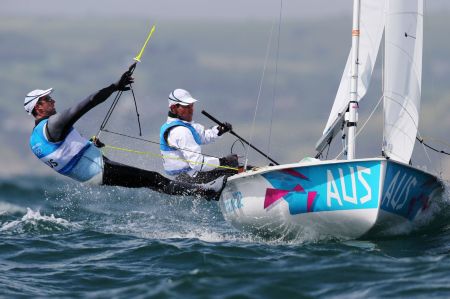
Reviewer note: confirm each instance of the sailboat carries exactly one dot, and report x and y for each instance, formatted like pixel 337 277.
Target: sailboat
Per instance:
pixel 352 197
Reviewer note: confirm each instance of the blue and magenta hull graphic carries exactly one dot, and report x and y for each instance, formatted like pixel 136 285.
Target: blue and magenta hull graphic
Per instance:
pixel 338 198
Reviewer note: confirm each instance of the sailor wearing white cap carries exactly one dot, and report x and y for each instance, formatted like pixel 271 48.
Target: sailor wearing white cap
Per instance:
pixel 181 140
pixel 58 144
pixel 32 98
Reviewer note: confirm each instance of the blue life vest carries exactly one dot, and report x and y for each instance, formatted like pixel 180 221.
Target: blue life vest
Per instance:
pixel 65 156
pixel 173 160
pixel 167 126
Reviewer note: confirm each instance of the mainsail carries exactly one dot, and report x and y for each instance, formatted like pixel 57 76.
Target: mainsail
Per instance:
pixel 403 76
pixel 372 24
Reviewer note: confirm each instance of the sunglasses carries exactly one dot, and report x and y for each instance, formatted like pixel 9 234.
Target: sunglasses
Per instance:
pixel 186 107
pixel 47 99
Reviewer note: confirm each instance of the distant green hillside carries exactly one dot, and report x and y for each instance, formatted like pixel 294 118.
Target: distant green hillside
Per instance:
pixel 221 63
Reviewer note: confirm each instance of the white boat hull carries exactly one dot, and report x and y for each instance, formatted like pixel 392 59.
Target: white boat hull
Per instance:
pixel 343 199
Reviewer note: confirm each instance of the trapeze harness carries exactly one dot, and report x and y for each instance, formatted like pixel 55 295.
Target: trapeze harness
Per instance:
pixel 173 159
pixel 75 156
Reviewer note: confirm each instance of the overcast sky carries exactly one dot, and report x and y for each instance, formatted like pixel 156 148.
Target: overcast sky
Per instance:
pixel 190 9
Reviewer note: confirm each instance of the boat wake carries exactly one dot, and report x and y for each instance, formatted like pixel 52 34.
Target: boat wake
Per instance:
pixel 432 221
pixel 151 215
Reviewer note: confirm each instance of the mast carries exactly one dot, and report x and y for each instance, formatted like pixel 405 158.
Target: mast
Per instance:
pixel 353 104
pixel 360 64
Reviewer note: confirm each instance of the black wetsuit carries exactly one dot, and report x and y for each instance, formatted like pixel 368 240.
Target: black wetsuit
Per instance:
pixel 116 174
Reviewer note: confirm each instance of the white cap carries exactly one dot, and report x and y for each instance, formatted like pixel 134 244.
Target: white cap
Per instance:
pixel 182 97
pixel 32 98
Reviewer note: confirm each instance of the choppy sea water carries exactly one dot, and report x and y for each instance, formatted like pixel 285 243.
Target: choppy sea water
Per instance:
pixel 60 239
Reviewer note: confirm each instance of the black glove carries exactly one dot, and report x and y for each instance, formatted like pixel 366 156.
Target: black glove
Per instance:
pixel 95 141
pixel 225 127
pixel 230 160
pixel 125 79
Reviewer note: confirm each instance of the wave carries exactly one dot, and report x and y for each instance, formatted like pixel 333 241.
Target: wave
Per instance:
pixel 34 222
pixel 145 214
pixel 9 208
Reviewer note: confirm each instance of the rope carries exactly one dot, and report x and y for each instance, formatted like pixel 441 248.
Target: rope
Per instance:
pixel 155 142
pixel 438 140
pixel 164 157
pixel 421 140
pixel 424 149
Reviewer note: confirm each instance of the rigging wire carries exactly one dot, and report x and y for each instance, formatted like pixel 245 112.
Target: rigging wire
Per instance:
pixel 137 112
pixel 383 78
pixel 419 137
pixel 275 83
pixel 259 93
pixel 116 101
